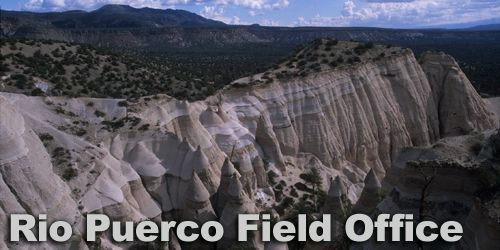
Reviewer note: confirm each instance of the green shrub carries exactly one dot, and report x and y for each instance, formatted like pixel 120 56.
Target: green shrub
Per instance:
pixel 271 175
pixel 123 104
pixel 69 174
pixel 99 113
pixel 21 80
pixel 45 137
pixel 144 127
pixel 37 92
pixel 332 42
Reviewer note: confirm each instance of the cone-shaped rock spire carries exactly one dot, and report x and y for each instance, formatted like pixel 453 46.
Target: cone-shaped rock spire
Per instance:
pixel 372 181
pixel 334 203
pixel 370 196
pixel 238 204
pixel 196 191
pixel 228 169
pixel 222 196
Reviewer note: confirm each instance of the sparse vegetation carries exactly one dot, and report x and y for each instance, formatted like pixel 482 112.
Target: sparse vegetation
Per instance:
pixel 313 178
pixel 323 55
pixel 81 70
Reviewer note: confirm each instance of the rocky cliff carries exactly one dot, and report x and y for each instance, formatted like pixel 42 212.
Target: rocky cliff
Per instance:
pixel 456 179
pixel 242 150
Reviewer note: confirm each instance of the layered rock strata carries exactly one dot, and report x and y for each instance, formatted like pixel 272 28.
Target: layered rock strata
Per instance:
pixel 164 158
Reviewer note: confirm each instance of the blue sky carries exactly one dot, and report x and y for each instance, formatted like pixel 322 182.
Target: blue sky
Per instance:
pixel 381 13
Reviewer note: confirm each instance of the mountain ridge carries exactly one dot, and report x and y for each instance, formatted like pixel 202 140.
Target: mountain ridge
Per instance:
pixel 114 16
pixel 486 27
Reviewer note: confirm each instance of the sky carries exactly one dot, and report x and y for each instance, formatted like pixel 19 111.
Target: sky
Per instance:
pixel 335 13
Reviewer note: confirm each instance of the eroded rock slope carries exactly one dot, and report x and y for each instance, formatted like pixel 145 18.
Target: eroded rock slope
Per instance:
pixel 159 158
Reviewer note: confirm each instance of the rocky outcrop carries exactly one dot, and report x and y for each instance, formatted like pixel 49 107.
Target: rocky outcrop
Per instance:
pixel 28 183
pixel 238 203
pixel 209 159
pixel 371 195
pixel 222 196
pixel 336 205
pixel 451 180
pixel 336 199
pixel 459 105
pixel 494 105
pixel 481 230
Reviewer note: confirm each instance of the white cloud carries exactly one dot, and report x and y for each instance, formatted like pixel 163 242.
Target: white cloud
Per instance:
pixel 281 4
pixel 47 4
pixel 349 8
pixel 249 4
pixel 211 11
pixel 269 22
pixel 217 13
pixel 408 13
pixel 319 20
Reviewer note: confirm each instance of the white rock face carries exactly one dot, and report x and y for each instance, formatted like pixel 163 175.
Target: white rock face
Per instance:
pixel 348 122
pixel 494 104
pixel 12 128
pixel 459 105
pixel 27 181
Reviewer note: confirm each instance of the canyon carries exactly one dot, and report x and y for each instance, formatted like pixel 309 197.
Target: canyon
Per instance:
pixel 160 158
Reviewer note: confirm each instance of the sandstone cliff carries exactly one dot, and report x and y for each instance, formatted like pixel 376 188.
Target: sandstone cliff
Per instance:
pixel 158 157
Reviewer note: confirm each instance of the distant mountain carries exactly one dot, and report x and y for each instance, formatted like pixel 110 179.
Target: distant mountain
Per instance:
pixel 146 28
pixel 112 16
pixel 468 25
pixel 486 27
